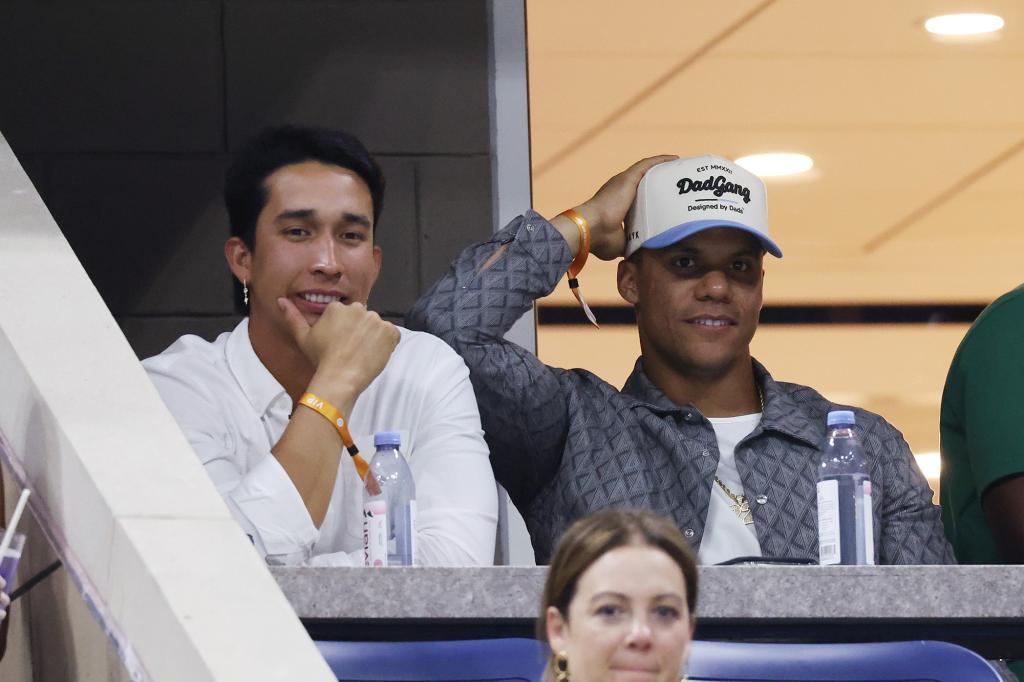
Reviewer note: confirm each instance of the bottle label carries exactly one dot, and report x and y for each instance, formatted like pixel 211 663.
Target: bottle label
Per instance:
pixel 412 531
pixel 869 526
pixel 375 533
pixel 828 523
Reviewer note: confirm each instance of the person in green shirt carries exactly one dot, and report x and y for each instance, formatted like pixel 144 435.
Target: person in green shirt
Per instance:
pixel 981 424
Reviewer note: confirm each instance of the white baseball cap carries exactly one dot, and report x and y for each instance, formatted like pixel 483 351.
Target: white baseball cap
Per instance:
pixel 679 198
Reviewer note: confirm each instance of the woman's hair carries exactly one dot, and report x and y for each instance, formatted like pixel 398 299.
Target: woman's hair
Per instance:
pixel 592 537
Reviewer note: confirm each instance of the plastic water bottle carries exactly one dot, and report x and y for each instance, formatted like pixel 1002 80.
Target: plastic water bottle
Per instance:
pixel 845 520
pixel 389 505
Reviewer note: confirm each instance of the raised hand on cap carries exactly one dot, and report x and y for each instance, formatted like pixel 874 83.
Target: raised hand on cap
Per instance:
pixel 606 210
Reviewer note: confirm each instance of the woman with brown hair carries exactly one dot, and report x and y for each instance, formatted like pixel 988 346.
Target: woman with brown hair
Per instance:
pixel 620 599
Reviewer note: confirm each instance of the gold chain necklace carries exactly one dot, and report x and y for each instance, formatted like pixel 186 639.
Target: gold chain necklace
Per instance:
pixel 740 505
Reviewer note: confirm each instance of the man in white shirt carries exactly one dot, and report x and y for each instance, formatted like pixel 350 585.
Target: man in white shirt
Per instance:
pixel 260 404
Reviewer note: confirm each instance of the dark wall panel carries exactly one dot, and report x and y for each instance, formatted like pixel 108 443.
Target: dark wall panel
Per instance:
pixel 38 170
pixel 407 77
pixel 125 115
pixel 455 210
pixel 397 234
pixel 129 76
pixel 149 230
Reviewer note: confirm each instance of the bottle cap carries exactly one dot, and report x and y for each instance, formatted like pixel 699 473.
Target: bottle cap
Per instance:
pixel 387 438
pixel 841 417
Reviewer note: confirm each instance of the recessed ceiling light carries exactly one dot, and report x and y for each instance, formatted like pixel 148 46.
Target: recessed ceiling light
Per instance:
pixel 774 165
pixel 964 24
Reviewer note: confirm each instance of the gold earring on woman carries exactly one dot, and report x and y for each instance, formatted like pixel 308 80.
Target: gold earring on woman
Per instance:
pixel 562 667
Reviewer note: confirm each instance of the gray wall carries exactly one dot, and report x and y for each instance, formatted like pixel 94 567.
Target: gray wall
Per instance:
pixel 124 114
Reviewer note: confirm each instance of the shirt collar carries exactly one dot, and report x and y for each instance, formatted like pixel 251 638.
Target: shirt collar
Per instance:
pixel 782 412
pixel 256 381
pixel 640 386
pixel 777 415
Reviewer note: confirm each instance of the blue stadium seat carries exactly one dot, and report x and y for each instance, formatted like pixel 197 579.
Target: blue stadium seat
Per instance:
pixel 480 660
pixel 873 662
pixel 522 660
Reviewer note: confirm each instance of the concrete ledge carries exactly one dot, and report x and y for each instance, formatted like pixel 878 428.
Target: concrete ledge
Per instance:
pixel 978 606
pixel 879 592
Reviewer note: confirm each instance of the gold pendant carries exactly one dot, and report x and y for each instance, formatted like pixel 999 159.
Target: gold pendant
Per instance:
pixel 742 509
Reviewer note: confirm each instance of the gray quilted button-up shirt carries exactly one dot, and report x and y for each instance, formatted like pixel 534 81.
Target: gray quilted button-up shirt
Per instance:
pixel 565 443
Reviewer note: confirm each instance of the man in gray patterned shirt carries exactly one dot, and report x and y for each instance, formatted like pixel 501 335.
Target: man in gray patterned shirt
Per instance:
pixel 700 432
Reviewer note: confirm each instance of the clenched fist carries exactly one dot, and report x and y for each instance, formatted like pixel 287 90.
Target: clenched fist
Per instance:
pixel 348 344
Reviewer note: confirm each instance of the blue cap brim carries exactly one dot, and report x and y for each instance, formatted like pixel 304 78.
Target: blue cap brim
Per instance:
pixel 680 232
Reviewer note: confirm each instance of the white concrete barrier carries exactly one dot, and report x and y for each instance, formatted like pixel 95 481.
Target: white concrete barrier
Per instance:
pixel 142 532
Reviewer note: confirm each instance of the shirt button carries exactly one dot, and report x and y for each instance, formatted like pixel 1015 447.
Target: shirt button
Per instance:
pixel 687 416
pixel 761 499
pixel 688 532
pixel 705 453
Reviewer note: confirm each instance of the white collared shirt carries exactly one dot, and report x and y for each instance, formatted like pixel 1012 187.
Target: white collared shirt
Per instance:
pixel 233 412
pixel 725 534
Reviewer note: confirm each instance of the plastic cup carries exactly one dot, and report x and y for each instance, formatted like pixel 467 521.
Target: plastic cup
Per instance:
pixel 10 559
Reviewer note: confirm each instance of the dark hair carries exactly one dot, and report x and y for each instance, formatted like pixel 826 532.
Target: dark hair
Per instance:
pixel 245 192
pixel 592 537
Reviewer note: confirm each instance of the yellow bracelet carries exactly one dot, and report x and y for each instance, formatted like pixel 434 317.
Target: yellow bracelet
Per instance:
pixel 331 413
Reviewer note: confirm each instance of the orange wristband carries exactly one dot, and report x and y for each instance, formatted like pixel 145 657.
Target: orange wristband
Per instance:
pixel 581 255
pixel 576 266
pixel 331 413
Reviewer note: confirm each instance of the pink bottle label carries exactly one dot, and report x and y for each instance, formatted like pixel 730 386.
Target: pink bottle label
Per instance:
pixel 375 533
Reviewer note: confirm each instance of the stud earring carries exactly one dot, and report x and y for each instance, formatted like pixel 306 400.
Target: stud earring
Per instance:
pixel 245 292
